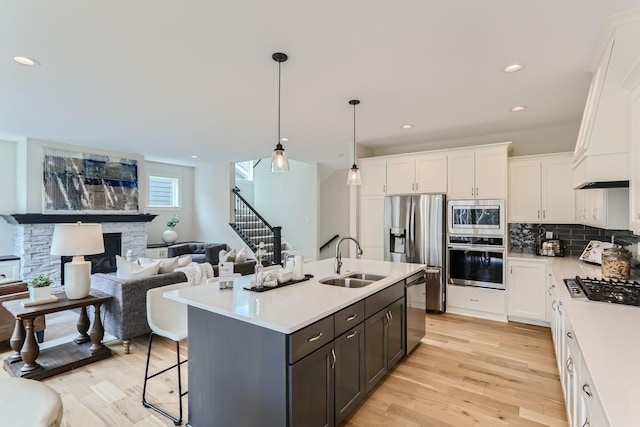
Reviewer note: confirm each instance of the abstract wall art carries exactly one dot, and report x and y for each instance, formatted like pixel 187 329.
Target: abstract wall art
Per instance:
pixel 76 182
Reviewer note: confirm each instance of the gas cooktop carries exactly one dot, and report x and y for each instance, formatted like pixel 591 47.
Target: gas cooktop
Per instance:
pixel 614 291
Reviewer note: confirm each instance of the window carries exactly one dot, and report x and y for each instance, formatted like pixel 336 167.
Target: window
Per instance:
pixel 244 170
pixel 163 192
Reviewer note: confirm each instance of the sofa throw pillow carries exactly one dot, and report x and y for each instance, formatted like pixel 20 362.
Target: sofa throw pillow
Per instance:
pixel 167 265
pixel 184 260
pixel 133 270
pixel 225 256
pixel 241 256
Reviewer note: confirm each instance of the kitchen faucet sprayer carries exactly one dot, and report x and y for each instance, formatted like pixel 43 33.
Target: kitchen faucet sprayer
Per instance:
pixel 338 262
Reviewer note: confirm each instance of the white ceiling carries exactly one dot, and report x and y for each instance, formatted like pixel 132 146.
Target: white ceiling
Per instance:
pixel 169 79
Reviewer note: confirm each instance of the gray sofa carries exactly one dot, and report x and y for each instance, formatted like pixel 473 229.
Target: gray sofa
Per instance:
pixel 125 316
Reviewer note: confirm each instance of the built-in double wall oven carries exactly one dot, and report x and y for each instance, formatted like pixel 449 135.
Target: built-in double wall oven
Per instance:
pixel 476 243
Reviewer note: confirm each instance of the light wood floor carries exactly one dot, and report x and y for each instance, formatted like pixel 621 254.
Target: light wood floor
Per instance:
pixel 466 372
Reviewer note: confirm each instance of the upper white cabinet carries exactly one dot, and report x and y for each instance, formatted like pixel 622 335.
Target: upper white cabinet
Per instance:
pixel 634 179
pixel 373 172
pixel 540 189
pixel 603 208
pixel 479 173
pixel 424 173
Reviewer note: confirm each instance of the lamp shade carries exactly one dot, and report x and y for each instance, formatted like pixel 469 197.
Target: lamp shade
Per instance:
pixel 77 239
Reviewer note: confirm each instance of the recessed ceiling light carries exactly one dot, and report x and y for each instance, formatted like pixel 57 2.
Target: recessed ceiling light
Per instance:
pixel 284 139
pixel 512 68
pixel 518 108
pixel 407 126
pixel 25 60
pixel 194 157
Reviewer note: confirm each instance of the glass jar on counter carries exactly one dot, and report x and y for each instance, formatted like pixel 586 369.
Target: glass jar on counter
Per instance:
pixel 616 263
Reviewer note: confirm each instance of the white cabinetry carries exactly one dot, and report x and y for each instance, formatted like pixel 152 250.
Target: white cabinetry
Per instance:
pixel 477 302
pixel 157 253
pixel 373 173
pixel 540 189
pixel 480 173
pixel 634 181
pixel 371 233
pixel 9 269
pixel 526 290
pixel 426 173
pixel 603 208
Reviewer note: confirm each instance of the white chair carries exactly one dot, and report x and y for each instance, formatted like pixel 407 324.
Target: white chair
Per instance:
pixel 29 403
pixel 167 318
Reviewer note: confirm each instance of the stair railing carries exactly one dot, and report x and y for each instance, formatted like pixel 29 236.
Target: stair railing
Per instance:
pixel 243 209
pixel 329 242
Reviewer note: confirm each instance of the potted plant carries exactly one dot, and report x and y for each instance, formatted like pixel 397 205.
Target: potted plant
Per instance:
pixel 40 287
pixel 169 235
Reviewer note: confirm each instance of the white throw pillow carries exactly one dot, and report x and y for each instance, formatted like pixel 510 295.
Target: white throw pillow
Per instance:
pixel 242 255
pixel 227 256
pixel 133 270
pixel 184 260
pixel 167 265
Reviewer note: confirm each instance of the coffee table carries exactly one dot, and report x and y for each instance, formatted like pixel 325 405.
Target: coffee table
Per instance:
pixel 27 361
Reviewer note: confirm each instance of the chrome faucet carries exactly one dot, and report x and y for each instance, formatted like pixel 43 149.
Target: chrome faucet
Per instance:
pixel 338 262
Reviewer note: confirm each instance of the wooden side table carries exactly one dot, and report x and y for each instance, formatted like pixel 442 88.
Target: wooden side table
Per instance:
pixel 54 360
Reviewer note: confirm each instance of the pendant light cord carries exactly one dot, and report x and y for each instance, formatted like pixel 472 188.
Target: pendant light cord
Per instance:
pixel 354 134
pixel 279 90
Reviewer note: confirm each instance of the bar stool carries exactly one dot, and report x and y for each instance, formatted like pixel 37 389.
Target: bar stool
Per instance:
pixel 29 403
pixel 168 319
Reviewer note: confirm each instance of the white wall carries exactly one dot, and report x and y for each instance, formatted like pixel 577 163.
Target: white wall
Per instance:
pixel 334 208
pixel 290 200
pixel 8 200
pixel 186 211
pixel 553 139
pixel 212 200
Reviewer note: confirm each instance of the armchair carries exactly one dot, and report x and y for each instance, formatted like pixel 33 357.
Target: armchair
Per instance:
pixel 10 291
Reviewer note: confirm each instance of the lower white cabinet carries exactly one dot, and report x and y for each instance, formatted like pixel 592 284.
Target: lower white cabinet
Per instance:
pixel 371 233
pixel 464 299
pixel 9 269
pixel 527 290
pixel 157 253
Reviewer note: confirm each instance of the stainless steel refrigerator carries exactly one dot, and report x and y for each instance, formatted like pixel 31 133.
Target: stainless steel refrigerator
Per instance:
pixel 414 231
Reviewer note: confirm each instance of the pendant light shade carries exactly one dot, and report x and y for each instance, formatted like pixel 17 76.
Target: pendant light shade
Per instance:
pixel 354 172
pixel 279 161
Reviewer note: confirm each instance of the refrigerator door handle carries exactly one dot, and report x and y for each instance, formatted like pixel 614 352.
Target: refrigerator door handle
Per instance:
pixel 412 230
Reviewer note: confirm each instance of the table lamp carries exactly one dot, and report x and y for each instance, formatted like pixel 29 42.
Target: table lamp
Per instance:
pixel 77 240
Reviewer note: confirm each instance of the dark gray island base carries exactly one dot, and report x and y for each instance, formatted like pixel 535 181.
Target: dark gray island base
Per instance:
pixel 241 374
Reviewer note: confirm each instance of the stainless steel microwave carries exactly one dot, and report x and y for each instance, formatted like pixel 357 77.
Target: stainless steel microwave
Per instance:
pixel 477 217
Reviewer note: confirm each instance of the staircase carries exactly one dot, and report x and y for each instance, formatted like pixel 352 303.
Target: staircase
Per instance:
pixel 253 230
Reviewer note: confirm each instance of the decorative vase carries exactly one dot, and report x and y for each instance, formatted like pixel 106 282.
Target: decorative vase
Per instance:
pixel 169 236
pixel 37 294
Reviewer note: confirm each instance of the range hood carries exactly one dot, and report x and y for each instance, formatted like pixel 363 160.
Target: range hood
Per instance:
pixel 601 156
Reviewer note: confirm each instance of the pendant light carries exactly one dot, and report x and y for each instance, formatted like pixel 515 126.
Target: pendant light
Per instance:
pixel 354 172
pixel 279 161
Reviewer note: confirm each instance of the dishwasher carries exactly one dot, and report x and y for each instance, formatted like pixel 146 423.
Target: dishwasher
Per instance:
pixel 416 303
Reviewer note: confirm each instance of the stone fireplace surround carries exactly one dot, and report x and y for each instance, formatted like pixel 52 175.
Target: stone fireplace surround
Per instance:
pixel 33 234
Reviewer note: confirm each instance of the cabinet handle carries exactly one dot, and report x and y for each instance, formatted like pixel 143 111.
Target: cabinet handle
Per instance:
pixel 333 353
pixel 351 335
pixel 474 300
pixel 553 306
pixel 511 269
pixel 384 188
pixel 549 291
pixel 350 318
pixel 587 389
pixel 477 192
pixel 560 307
pixel 570 367
pixel 544 213
pixel 538 213
pixel 472 192
pixel 416 186
pixel 586 423
pixel 388 318
pixel 315 338
pixel 570 335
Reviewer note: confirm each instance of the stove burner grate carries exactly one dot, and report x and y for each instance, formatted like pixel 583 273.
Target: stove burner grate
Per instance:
pixel 615 291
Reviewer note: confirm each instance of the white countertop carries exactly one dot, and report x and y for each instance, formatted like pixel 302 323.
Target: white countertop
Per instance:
pixel 293 307
pixel 609 340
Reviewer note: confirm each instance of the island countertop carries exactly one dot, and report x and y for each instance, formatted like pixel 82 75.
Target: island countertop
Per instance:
pixel 293 307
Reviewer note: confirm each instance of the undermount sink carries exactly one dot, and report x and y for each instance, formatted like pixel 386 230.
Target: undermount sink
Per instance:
pixel 346 282
pixel 353 280
pixel 366 276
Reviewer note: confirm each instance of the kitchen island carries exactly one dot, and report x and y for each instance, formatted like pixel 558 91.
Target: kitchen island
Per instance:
pixel 295 355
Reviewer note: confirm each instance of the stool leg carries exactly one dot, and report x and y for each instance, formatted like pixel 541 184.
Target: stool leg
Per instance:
pixel 146 372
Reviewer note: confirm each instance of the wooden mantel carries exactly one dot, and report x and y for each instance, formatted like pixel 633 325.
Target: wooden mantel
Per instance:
pixel 36 218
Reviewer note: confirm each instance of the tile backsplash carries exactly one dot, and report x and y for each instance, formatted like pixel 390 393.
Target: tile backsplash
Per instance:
pixel 526 237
